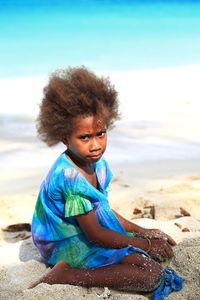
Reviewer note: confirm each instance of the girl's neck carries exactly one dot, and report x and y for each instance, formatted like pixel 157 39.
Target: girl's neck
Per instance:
pixel 87 167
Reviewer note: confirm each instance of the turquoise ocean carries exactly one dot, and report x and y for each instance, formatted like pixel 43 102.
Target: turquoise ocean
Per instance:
pixel 150 50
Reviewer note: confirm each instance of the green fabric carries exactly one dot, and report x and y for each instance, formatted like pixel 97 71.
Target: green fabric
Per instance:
pixel 131 234
pixel 77 205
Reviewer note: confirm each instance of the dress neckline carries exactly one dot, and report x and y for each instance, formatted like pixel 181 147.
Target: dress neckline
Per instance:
pixel 98 188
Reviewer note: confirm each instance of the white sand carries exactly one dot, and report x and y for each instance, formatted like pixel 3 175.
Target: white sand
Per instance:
pixel 21 262
pixel 153 164
pixel 17 275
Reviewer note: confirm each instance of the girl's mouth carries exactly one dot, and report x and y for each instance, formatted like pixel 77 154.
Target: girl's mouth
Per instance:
pixel 95 156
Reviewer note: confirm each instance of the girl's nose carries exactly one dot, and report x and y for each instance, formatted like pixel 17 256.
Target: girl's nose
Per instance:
pixel 95 145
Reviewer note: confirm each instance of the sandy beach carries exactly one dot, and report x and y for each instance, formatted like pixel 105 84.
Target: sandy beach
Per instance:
pixel 165 185
pixel 150 52
pixel 154 156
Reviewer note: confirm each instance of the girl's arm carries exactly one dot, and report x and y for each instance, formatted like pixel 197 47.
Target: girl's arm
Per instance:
pixel 111 239
pixel 129 226
pixel 151 233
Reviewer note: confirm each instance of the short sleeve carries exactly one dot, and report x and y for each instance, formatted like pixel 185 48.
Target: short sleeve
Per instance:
pixel 76 193
pixel 77 205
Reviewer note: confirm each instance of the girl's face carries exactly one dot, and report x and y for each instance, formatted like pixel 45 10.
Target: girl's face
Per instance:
pixel 88 140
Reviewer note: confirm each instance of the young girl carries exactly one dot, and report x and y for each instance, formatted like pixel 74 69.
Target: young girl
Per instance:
pixel 74 227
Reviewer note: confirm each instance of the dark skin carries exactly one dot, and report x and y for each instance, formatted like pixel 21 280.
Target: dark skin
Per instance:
pixel 111 239
pixel 136 272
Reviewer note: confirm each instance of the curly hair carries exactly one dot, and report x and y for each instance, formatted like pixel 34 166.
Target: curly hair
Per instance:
pixel 70 93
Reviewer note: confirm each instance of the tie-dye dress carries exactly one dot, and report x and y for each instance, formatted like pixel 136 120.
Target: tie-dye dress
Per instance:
pixel 64 194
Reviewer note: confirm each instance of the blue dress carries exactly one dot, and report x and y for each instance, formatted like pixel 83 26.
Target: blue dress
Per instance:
pixel 64 194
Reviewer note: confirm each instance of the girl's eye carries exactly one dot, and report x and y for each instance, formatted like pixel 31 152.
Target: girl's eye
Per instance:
pixel 84 137
pixel 102 133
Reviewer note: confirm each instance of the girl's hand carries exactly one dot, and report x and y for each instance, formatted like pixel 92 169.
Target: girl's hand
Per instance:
pixel 160 249
pixel 158 234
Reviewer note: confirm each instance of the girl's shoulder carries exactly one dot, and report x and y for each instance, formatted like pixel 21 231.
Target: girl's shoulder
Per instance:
pixel 102 164
pixel 61 163
pixel 64 176
pixel 64 167
pixel 58 168
pixel 103 172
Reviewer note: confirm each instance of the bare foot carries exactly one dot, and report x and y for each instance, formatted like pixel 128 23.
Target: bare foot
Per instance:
pixel 54 276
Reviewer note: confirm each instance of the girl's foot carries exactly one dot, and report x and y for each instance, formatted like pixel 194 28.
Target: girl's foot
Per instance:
pixel 54 276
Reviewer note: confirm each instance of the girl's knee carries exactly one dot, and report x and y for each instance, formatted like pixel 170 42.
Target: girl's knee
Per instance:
pixel 149 272
pixel 145 280
pixel 154 276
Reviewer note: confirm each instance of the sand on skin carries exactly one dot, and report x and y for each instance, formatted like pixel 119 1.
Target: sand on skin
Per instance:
pixel 21 263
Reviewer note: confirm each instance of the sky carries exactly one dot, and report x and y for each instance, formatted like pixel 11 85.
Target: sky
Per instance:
pixel 37 37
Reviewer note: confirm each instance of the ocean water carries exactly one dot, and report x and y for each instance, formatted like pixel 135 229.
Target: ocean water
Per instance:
pixel 150 49
pixel 128 142
pixel 145 141
pixel 160 119
pixel 39 36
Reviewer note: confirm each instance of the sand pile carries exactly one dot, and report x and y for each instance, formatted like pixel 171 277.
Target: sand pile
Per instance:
pixel 186 262
pixel 166 186
pixel 16 276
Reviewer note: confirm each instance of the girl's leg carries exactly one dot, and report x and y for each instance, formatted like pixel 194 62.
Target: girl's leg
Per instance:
pixel 136 273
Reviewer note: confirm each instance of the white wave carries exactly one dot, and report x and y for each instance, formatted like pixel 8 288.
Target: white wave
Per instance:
pixel 146 95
